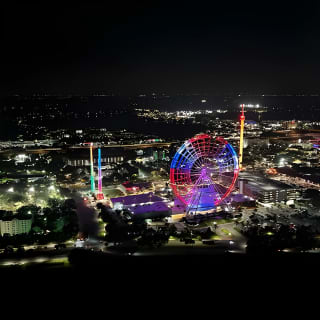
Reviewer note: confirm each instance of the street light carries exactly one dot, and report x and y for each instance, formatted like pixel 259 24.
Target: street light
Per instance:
pixel 10 189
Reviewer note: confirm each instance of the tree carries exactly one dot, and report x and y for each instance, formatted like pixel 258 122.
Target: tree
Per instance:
pixel 305 238
pixel 27 210
pixel 172 229
pixel 54 203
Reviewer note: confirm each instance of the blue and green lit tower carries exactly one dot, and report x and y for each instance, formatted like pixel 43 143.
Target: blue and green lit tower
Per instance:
pixel 99 194
pixel 93 189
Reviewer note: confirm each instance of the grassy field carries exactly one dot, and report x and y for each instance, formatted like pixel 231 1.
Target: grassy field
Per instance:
pixel 225 231
pixel 113 193
pixel 102 231
pixel 173 238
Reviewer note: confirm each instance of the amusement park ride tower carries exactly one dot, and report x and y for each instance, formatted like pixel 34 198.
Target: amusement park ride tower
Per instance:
pixel 99 194
pixel 91 169
pixel 204 171
pixel 242 118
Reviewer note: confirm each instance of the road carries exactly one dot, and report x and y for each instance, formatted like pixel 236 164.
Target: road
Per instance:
pixel 59 258
pixel 126 146
pixel 176 248
pixel 237 241
pixel 296 181
pixel 130 146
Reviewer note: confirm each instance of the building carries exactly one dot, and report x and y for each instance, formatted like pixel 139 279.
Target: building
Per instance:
pixel 290 125
pixel 151 210
pixel 134 200
pixel 146 205
pixel 307 175
pixel 15 226
pixel 81 158
pixel 266 190
pixel 131 187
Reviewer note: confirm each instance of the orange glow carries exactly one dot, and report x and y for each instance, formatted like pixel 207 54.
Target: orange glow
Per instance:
pixel 272 171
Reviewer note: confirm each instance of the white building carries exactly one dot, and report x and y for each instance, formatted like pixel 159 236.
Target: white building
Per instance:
pixel 15 226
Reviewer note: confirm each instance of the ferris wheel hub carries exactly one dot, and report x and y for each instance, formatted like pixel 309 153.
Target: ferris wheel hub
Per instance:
pixel 203 172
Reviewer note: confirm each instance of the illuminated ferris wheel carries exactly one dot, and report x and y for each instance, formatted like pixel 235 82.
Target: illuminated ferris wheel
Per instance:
pixel 203 172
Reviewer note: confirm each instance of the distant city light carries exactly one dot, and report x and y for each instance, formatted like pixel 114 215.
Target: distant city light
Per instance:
pixel 253 106
pixel 10 190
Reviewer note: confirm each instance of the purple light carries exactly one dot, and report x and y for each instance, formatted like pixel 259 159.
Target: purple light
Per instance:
pixel 100 194
pixel 203 172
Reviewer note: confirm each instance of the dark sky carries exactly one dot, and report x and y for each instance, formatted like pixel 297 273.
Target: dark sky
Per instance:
pixel 155 46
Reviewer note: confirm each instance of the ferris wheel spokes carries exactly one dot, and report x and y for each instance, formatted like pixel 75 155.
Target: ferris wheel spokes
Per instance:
pixel 203 172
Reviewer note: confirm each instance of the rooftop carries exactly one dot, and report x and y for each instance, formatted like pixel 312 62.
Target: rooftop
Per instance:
pixel 137 199
pixel 150 207
pixel 263 183
pixel 140 185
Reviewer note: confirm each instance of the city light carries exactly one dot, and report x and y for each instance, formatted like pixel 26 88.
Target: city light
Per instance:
pixel 216 150
pixel 242 120
pixel 251 106
pixel 202 193
pixel 282 162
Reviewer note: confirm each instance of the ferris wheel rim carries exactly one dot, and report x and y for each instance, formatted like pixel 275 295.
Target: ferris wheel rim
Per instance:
pixel 190 152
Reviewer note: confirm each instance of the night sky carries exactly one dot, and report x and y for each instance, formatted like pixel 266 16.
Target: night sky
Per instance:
pixel 155 46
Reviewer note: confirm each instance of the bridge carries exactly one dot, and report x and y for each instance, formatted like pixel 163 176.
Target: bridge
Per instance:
pixel 125 146
pixel 129 146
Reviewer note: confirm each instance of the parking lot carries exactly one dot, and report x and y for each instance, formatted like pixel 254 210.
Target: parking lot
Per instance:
pixel 282 214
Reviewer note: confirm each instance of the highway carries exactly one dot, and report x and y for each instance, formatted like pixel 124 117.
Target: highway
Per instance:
pixel 125 146
pixel 129 146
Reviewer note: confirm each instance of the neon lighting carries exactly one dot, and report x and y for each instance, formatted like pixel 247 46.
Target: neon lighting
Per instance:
pixel 242 118
pixel 203 172
pixel 100 194
pixel 91 169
